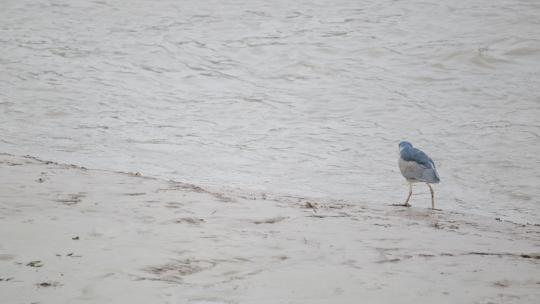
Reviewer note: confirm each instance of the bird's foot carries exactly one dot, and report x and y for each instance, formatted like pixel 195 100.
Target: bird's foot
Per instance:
pixel 401 205
pixel 436 209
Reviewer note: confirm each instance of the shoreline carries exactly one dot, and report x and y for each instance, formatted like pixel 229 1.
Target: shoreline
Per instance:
pixel 254 194
pixel 71 234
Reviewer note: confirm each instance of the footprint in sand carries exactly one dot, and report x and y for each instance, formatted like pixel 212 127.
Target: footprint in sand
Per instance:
pixel 71 199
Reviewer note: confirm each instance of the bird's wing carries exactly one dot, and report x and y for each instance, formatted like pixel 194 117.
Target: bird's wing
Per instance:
pixel 417 155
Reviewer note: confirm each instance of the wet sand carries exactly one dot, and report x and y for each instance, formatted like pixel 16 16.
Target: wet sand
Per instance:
pixel 74 235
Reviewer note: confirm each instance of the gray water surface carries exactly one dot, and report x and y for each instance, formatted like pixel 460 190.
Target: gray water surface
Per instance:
pixel 307 98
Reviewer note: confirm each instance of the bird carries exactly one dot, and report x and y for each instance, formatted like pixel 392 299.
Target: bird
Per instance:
pixel 417 167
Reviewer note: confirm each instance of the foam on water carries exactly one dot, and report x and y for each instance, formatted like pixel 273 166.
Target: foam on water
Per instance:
pixel 309 98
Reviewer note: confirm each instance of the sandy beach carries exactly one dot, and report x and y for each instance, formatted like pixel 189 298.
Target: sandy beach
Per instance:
pixel 246 151
pixel 75 235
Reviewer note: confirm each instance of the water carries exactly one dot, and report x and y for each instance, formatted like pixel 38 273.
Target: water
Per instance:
pixel 308 98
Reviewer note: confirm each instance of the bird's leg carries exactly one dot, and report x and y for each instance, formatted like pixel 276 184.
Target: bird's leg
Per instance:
pixel 409 196
pixel 406 204
pixel 432 197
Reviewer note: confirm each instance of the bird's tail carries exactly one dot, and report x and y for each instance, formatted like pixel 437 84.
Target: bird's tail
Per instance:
pixel 431 176
pixel 436 176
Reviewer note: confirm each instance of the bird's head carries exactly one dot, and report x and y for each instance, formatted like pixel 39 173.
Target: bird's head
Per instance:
pixel 404 144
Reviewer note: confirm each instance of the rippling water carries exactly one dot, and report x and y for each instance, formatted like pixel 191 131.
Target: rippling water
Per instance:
pixel 307 98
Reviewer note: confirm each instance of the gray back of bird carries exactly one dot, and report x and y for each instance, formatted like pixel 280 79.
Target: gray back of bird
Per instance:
pixel 416 166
